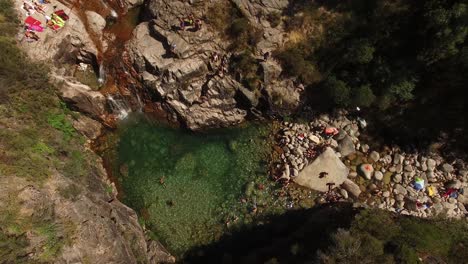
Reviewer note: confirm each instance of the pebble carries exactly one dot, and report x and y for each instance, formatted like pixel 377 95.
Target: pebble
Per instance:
pixel 378 175
pixel 397 159
pixel 365 148
pixel 375 156
pixel 366 170
pixel 394 171
pixel 397 178
pixel 399 189
pixel 431 164
pixel 447 168
pixel 387 159
pixel 344 193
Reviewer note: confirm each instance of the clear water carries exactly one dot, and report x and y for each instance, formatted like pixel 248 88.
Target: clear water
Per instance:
pixel 186 186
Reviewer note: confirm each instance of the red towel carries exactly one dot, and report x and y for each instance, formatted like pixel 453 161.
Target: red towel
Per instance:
pixel 32 21
pixel 62 14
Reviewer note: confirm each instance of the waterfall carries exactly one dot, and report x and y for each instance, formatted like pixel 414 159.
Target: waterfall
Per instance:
pixel 114 14
pixel 140 104
pixel 119 107
pixel 102 74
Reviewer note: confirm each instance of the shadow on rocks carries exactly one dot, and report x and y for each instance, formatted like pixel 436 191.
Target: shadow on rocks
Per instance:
pixel 287 238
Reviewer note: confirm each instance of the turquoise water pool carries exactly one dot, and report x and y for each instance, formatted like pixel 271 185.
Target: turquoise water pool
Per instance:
pixel 188 188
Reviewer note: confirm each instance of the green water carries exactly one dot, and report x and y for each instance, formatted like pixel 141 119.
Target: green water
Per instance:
pixel 186 186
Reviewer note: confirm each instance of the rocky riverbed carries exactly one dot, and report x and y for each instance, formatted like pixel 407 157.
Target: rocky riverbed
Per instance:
pixel 344 168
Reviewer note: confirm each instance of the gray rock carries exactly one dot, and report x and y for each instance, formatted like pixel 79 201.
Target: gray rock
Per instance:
pixel 431 164
pixel 399 168
pixel 83 98
pixel 397 178
pixel 366 170
pixel 424 167
pixel 344 193
pixel 351 187
pixel 88 127
pixel 398 188
pixel 398 159
pixel 400 197
pixel 447 168
pixel 326 162
pixel 408 168
pixel 365 148
pixel 387 159
pixel 375 156
pixel 96 22
pixel 378 175
pixel 346 146
pixel 352 174
pixel 386 194
pixel 246 98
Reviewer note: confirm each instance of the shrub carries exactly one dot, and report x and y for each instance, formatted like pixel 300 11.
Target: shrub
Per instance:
pixel 295 65
pixel 248 68
pixel 338 91
pixel 363 96
pixel 403 90
pixel 60 122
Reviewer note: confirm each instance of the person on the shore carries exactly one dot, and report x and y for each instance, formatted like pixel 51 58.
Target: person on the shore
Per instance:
pixel 181 24
pixel 198 24
pixel 39 8
pixel 31 36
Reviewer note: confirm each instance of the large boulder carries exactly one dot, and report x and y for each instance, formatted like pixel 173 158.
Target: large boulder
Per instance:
pixel 327 162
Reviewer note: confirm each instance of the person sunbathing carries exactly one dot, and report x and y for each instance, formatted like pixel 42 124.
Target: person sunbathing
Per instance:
pixel 39 8
pixel 30 35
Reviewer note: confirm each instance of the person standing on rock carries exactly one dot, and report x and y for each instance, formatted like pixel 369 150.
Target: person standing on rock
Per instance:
pixel 198 24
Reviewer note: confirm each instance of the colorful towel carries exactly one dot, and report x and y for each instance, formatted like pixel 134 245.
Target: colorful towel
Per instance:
pixel 36 28
pixel 62 14
pixel 32 21
pixel 58 20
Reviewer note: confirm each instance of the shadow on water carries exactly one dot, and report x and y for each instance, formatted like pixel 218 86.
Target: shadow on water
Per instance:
pixel 288 238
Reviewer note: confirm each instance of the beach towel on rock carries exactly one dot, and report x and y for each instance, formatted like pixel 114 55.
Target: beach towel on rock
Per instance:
pixel 62 14
pixel 32 21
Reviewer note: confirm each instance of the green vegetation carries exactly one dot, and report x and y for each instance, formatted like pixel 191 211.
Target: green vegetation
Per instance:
pixel 36 140
pixel 340 234
pixel 227 19
pixel 376 48
pixel 378 237
pixel 247 67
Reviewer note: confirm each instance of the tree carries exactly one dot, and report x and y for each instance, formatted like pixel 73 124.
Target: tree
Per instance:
pixel 360 51
pixel 363 96
pixel 403 90
pixel 338 91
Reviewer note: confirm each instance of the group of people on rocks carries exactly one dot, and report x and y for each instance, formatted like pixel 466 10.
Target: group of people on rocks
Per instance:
pixel 190 21
pixel 32 26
